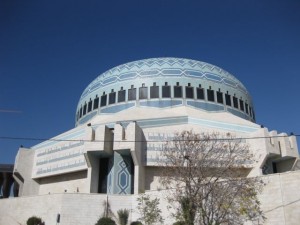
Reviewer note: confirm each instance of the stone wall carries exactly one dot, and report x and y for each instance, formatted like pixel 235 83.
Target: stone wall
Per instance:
pixel 281 198
pixel 74 209
pixel 280 201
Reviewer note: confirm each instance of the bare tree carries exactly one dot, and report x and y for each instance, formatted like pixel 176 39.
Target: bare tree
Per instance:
pixel 207 177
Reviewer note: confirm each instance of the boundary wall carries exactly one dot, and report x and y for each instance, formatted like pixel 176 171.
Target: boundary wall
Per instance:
pixel 280 201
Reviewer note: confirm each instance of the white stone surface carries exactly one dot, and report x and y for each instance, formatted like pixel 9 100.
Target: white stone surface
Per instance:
pixel 280 201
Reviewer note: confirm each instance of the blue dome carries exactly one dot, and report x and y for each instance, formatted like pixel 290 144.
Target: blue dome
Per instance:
pixel 164 82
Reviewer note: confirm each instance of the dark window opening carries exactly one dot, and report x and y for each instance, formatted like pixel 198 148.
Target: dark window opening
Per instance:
pixel 228 99
pixel 219 97
pixel 246 107
pixel 121 95
pixel 103 100
pixel 96 102
pixel 166 91
pixel 189 92
pixel 103 174
pixel 177 91
pixel 112 97
pixel 132 94
pixel 90 105
pixel 250 110
pixel 210 95
pixel 154 91
pixel 253 114
pixel 235 102
pixel 274 166
pixel 200 93
pixel 241 104
pixel 84 109
pixel 80 112
pixel 143 92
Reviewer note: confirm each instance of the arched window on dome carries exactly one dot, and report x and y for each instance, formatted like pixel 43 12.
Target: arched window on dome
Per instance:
pixel 228 99
pixel 189 91
pixel 247 108
pixel 103 100
pixel 84 109
pixel 112 97
pixel 96 102
pixel 235 102
pixel 210 95
pixel 166 91
pixel 132 93
pixel 121 95
pixel 242 105
pixel 90 105
pixel 220 97
pixel 154 91
pixel 200 92
pixel 177 91
pixel 80 112
pixel 143 92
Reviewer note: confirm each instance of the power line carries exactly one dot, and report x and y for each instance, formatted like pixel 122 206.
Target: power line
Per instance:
pixel 162 140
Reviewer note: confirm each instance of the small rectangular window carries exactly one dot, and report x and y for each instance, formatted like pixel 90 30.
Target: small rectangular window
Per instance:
pixel 143 93
pixel 250 110
pixel 166 91
pixel 112 98
pixel 241 105
pixel 131 94
pixel 90 106
pixel 235 102
pixel 177 92
pixel 246 107
pixel 219 97
pixel 96 103
pixel 189 92
pixel 80 112
pixel 84 109
pixel 228 99
pixel 154 92
pixel 200 93
pixel 103 100
pixel 121 96
pixel 210 95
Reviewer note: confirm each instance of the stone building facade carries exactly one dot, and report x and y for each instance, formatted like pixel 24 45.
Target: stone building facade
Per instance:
pixel 122 120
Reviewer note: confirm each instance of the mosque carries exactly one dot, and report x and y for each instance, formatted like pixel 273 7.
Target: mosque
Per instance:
pixel 122 118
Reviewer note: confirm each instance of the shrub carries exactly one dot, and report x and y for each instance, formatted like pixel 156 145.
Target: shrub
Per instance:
pixel 123 216
pixel 179 223
pixel 136 223
pixel 34 221
pixel 105 221
pixel 149 211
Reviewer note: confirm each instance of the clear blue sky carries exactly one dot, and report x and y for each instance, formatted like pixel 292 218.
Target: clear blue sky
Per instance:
pixel 51 50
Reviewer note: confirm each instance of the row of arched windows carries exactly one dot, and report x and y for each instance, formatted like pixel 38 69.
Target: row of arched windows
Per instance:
pixel 188 92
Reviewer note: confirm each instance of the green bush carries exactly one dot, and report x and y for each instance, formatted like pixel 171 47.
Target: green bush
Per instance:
pixel 136 223
pixel 105 221
pixel 34 221
pixel 123 216
pixel 179 223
